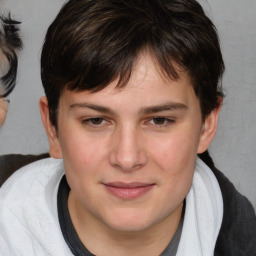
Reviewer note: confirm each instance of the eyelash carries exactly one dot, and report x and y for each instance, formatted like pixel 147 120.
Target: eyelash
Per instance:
pixel 166 121
pixel 89 121
pixel 101 121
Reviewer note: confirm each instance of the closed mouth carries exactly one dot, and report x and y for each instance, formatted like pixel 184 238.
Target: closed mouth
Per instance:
pixel 128 191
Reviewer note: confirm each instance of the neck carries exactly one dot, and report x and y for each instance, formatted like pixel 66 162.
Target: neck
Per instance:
pixel 101 239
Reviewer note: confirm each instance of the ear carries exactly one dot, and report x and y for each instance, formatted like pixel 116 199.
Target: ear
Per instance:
pixel 209 129
pixel 55 149
pixel 3 110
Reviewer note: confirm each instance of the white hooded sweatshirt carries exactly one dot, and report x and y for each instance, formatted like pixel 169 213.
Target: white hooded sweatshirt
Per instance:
pixel 29 224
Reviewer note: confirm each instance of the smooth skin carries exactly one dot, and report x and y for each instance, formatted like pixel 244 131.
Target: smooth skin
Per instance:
pixel 3 110
pixel 4 103
pixel 147 133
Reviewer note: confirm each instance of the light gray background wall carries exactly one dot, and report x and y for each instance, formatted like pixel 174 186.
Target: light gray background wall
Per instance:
pixel 234 148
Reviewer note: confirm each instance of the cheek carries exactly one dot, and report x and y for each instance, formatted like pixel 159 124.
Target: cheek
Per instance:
pixel 175 151
pixel 175 157
pixel 81 152
pixel 175 160
pixel 79 160
pixel 77 154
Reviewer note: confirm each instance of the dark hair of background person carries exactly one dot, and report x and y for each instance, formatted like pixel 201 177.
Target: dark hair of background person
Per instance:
pixel 93 42
pixel 10 42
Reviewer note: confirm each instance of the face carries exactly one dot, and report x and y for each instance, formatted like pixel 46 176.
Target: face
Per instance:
pixel 3 110
pixel 3 101
pixel 129 154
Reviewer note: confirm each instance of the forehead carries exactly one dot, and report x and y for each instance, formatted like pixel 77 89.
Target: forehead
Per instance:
pixel 147 86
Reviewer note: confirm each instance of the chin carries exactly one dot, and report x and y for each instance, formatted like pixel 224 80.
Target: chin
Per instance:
pixel 129 222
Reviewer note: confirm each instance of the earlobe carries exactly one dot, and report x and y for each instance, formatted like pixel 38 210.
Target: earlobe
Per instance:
pixel 3 110
pixel 55 149
pixel 209 129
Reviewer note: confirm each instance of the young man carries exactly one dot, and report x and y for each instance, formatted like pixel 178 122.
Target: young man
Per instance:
pixel 133 95
pixel 10 43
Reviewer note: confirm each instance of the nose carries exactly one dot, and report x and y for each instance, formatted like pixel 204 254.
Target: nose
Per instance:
pixel 128 153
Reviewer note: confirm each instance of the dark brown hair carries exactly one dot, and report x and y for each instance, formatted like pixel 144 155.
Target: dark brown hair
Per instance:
pixel 93 42
pixel 10 42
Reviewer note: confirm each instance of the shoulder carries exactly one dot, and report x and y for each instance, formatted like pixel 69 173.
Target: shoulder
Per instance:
pixel 30 182
pixel 237 236
pixel 238 231
pixel 233 201
pixel 12 162
pixel 28 209
pixel 32 177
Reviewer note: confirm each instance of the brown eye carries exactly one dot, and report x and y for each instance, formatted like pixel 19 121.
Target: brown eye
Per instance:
pixel 159 120
pixel 96 120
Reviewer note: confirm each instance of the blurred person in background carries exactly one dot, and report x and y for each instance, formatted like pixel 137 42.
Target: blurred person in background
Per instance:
pixel 10 44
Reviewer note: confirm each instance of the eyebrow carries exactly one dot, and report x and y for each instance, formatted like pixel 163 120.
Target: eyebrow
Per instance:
pixel 98 108
pixel 145 110
pixel 164 107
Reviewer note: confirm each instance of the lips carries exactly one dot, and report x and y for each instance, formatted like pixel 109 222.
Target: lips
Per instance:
pixel 128 191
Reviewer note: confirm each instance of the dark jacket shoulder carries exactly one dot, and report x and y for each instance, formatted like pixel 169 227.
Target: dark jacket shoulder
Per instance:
pixel 12 162
pixel 237 235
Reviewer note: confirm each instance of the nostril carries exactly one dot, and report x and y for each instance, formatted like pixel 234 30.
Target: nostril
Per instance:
pixel 127 148
pixel 128 162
